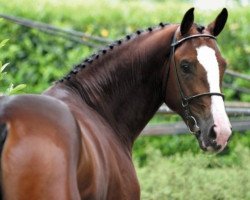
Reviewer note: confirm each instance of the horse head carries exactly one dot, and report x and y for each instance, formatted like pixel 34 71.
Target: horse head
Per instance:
pixel 195 72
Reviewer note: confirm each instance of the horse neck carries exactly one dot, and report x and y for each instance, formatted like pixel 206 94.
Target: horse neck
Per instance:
pixel 125 85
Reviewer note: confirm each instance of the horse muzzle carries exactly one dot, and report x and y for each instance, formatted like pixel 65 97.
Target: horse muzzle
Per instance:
pixel 213 137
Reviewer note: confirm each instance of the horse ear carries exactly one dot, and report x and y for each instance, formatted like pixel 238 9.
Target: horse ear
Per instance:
pixel 218 24
pixel 187 21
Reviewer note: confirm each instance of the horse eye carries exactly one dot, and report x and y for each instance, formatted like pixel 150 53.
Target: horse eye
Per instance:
pixel 186 68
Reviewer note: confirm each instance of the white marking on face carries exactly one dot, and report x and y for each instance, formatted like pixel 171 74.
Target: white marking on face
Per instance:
pixel 207 58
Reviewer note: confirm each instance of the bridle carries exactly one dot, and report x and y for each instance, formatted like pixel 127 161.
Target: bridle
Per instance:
pixel 185 100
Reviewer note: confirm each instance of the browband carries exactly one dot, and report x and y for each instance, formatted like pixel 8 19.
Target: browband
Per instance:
pixel 190 37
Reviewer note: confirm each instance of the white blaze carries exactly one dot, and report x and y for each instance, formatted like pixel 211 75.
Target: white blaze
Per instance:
pixel 207 58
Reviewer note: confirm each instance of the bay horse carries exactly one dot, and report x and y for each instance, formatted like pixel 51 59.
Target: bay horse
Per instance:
pixel 74 141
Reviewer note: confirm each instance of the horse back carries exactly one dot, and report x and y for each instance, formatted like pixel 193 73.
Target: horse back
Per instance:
pixel 41 151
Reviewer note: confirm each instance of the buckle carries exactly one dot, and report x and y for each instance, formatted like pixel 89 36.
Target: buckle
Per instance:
pixel 192 125
pixel 184 103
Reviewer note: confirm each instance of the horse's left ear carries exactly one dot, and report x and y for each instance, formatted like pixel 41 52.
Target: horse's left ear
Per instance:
pixel 187 21
pixel 218 24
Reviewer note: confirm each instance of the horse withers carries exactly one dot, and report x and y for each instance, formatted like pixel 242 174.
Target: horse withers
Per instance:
pixel 75 140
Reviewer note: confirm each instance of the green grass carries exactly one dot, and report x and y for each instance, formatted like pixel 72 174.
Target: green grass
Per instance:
pixel 174 167
pixel 196 176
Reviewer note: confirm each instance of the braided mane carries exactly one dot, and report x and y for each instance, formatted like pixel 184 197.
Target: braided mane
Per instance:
pixel 88 61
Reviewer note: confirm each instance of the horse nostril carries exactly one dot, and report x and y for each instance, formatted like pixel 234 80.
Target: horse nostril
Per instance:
pixel 212 133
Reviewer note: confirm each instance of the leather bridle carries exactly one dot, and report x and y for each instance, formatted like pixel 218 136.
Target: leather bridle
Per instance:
pixel 185 100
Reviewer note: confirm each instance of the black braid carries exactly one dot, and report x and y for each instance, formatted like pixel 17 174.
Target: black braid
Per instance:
pixel 93 57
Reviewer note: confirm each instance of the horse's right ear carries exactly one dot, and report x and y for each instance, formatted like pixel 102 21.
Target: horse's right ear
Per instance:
pixel 187 21
pixel 218 24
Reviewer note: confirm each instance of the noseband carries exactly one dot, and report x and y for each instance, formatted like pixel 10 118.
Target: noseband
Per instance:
pixel 190 120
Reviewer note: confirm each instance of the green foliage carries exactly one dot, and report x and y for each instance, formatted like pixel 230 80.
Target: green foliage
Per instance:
pixel 169 145
pixel 173 167
pixel 38 59
pixel 235 46
pixel 15 89
pixel 11 89
pixel 197 177
pixel 2 43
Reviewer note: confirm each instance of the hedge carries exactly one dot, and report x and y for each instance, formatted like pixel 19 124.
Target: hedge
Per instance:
pixel 38 59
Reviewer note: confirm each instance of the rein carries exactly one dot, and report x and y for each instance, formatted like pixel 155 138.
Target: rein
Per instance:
pixel 190 120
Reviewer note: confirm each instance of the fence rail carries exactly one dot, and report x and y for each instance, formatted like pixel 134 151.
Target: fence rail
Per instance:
pixel 180 128
pixel 239 112
pixel 76 36
pixel 232 108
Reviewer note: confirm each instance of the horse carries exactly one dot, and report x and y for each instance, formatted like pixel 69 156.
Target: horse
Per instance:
pixel 74 141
